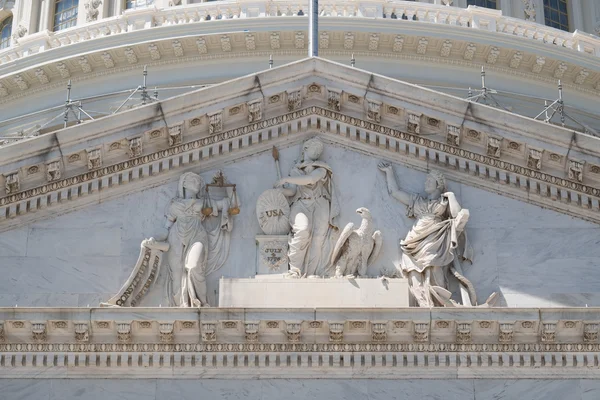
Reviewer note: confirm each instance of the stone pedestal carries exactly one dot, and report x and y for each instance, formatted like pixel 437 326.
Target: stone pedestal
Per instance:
pixel 271 254
pixel 277 292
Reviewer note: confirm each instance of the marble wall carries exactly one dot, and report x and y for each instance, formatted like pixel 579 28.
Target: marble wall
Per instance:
pixel 532 256
pixel 277 389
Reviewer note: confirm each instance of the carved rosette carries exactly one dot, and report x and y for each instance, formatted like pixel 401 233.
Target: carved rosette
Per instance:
pixel 166 332
pixel 82 332
pixel 135 147
pixel 294 100
pixel 124 332
pixel 38 331
pixel 293 330
pixel 379 331
pixel 251 331
pixel 421 332
pixel 215 122
pixel 175 135
pixel 209 331
pixel 506 332
pixel 255 110
pixel 463 332
pixel 336 332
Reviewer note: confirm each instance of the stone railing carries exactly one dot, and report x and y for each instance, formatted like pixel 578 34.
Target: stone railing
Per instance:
pixel 146 18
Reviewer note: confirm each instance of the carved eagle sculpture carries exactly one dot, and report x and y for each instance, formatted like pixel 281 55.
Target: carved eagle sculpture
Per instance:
pixel 356 249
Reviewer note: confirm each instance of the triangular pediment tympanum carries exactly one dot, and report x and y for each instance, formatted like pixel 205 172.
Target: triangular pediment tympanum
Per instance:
pixel 470 143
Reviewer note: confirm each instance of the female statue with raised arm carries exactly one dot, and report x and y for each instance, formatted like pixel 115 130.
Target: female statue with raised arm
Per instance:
pixel 437 240
pixel 313 208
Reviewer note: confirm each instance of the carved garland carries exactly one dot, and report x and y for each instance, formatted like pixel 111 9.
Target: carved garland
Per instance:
pixel 314 110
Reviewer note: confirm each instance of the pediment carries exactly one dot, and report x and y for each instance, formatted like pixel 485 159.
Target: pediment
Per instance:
pixel 471 143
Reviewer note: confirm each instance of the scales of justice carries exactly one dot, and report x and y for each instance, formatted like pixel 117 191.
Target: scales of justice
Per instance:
pixel 304 258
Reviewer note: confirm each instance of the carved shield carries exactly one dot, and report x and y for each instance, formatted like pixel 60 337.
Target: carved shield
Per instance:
pixel 273 212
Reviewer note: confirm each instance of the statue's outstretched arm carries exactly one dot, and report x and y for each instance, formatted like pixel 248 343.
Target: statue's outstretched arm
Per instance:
pixel 393 189
pixel 453 204
pixel 304 180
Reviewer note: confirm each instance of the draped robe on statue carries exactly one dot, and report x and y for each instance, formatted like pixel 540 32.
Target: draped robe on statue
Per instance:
pixel 187 285
pixel 309 246
pixel 434 240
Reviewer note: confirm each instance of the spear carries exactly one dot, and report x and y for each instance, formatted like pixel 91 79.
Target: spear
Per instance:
pixel 275 153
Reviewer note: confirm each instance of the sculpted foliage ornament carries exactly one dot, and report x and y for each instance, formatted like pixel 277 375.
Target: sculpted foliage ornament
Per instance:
pixel 398 44
pixel 85 64
pixel 53 171
pixel 11 183
pixel 470 52
pixel 131 56
pixel 255 110
pixel 299 40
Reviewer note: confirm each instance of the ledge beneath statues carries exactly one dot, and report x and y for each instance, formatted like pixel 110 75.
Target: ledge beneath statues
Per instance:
pixel 275 291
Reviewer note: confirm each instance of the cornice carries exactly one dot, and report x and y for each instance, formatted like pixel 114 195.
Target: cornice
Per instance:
pixel 234 343
pixel 524 163
pixel 97 45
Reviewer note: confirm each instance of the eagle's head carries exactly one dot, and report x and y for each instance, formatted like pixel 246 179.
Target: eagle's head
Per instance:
pixel 364 212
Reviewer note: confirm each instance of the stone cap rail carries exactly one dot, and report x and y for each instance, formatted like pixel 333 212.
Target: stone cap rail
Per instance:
pixel 508 329
pixel 151 17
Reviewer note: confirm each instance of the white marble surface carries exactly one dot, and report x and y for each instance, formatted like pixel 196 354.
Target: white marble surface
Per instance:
pixel 532 256
pixel 300 389
pixel 313 293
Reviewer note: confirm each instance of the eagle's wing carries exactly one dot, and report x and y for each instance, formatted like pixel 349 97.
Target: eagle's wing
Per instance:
pixel 376 248
pixel 340 243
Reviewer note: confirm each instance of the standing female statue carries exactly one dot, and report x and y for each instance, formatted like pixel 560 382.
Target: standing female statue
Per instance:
pixel 194 251
pixel 436 241
pixel 313 207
